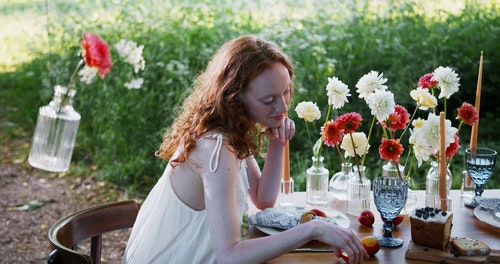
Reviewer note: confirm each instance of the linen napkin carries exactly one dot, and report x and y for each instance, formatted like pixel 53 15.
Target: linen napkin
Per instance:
pixel 281 219
pixel 490 203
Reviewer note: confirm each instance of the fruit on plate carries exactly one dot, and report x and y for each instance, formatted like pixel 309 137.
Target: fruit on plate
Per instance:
pixel 371 245
pixel 319 212
pixel 396 221
pixel 366 218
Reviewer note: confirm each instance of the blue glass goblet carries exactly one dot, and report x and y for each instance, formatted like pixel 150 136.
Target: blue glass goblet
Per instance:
pixel 390 197
pixel 480 165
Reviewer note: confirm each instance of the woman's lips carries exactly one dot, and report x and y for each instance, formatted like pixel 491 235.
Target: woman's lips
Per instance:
pixel 277 118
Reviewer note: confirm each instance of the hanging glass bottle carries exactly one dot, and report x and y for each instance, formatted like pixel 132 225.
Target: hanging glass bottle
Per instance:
pixel 338 182
pixel 358 191
pixel 55 133
pixel 317 183
pixel 432 183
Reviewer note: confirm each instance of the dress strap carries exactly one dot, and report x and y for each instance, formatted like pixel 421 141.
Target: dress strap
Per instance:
pixel 214 159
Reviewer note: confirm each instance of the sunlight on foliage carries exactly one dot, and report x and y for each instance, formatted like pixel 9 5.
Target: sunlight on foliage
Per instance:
pixel 121 128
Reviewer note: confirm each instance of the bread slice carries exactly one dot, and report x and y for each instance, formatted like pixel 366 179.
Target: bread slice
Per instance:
pixel 470 247
pixel 307 216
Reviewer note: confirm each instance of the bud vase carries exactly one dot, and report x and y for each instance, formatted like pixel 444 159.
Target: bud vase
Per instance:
pixel 55 133
pixel 390 170
pixel 432 184
pixel 358 191
pixel 317 183
pixel 338 182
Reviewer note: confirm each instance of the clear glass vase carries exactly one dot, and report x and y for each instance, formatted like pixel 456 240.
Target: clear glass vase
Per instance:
pixel 432 183
pixel 338 182
pixel 55 133
pixel 358 191
pixel 317 183
pixel 390 170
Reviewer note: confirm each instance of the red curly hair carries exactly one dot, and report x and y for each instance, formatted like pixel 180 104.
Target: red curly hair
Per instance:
pixel 215 101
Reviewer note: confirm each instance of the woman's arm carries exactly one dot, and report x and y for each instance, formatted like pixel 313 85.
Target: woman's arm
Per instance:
pixel 224 223
pixel 265 186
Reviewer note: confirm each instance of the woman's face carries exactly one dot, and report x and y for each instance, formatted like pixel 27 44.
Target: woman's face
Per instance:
pixel 268 95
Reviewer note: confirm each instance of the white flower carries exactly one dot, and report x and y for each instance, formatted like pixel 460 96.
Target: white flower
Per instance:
pixel 135 83
pixel 428 133
pixel 447 81
pixel 381 104
pixel 87 74
pixel 418 122
pixel 422 153
pixel 308 111
pixel 337 92
pixel 369 83
pixel 424 98
pixel 131 53
pixel 360 144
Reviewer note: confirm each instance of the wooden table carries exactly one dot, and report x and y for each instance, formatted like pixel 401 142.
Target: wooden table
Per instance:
pixel 465 224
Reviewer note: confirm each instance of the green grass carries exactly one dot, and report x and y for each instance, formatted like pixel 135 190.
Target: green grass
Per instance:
pixel 120 128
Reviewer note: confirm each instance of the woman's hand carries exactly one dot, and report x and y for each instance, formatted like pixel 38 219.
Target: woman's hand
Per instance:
pixel 341 239
pixel 282 133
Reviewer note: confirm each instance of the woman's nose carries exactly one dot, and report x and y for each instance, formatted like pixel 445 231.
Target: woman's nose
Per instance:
pixel 282 105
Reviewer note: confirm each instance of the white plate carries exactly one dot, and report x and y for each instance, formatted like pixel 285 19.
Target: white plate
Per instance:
pixel 488 216
pixel 339 218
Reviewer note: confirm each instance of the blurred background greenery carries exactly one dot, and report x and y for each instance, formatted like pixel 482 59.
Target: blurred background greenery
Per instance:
pixel 121 128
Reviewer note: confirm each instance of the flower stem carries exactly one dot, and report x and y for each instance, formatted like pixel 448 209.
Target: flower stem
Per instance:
pixel 410 169
pixel 308 133
pixel 324 124
pixel 368 141
pixel 356 158
pixel 71 81
pixel 409 122
pixel 340 153
pixel 459 127
pixel 397 168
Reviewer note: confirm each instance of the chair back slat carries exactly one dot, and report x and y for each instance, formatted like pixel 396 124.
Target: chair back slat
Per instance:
pixel 89 223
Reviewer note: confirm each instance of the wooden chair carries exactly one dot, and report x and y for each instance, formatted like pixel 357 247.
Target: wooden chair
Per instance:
pixel 89 223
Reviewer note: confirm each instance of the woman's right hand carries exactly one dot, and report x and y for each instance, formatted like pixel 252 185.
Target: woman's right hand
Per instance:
pixel 341 239
pixel 282 133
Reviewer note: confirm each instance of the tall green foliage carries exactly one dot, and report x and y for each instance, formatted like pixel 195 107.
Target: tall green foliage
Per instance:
pixel 121 129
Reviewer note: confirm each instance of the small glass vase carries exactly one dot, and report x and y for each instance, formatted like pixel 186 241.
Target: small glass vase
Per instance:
pixel 432 184
pixel 317 183
pixel 390 170
pixel 358 191
pixel 338 182
pixel 55 133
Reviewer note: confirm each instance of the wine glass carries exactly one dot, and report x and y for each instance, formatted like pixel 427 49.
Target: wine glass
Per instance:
pixel 390 195
pixel 480 164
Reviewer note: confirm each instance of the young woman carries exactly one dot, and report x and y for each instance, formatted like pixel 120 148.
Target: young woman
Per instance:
pixel 194 212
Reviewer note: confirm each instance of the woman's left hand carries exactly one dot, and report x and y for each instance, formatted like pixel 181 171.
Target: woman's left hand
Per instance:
pixel 282 133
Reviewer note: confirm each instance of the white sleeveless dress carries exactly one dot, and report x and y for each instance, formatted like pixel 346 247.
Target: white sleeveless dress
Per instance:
pixel 168 231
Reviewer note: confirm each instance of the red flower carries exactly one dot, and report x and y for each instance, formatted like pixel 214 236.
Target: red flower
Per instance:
pixel 426 81
pixel 331 133
pixel 390 150
pixel 468 114
pixel 452 149
pixel 349 122
pixel 397 120
pixel 96 53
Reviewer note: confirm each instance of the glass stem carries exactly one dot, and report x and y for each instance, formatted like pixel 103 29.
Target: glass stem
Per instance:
pixel 479 189
pixel 388 226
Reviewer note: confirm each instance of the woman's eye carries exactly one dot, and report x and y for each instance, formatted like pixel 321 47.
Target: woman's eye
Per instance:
pixel 268 101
